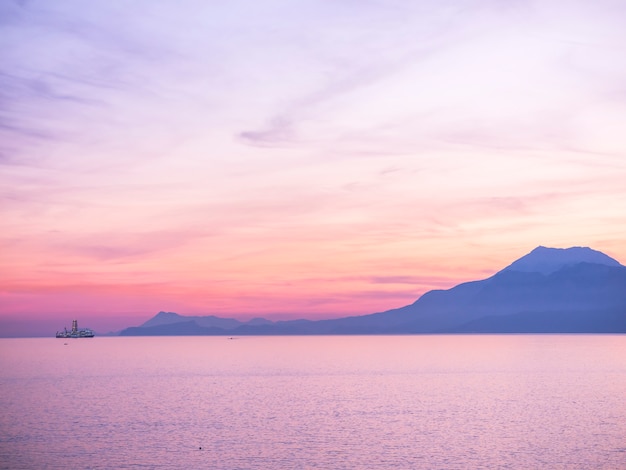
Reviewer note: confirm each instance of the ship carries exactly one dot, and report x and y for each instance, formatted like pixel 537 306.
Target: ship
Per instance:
pixel 75 332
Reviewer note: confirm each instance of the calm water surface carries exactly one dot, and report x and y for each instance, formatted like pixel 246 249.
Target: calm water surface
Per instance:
pixel 314 402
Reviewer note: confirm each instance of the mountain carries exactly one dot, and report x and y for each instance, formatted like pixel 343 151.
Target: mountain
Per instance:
pixel 170 323
pixel 169 318
pixel 548 260
pixel 549 290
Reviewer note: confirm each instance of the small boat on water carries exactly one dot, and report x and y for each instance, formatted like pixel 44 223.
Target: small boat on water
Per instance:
pixel 75 332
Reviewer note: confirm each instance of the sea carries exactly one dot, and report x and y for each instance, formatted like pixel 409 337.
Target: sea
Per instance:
pixel 304 402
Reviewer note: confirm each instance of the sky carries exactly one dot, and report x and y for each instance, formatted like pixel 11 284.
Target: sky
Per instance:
pixel 297 159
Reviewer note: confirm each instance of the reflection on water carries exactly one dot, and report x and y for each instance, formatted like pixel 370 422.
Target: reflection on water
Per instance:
pixel 314 402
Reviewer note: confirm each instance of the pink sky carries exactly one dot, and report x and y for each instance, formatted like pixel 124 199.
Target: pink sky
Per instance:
pixel 298 159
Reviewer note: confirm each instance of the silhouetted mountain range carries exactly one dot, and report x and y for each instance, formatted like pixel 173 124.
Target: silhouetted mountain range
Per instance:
pixel 550 290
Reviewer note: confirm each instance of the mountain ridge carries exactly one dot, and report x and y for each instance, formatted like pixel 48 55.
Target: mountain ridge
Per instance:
pixel 569 284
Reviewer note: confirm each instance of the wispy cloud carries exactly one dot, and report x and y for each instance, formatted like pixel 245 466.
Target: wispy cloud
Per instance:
pixel 278 131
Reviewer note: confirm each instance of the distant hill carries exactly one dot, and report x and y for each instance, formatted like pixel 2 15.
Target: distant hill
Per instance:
pixel 549 290
pixel 170 323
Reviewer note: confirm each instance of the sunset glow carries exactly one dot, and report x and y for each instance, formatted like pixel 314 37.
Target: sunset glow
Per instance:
pixel 298 159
